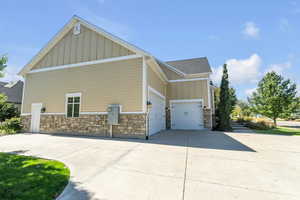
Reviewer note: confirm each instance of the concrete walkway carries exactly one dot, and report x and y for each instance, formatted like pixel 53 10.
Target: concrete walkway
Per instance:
pixel 172 165
pixel 240 128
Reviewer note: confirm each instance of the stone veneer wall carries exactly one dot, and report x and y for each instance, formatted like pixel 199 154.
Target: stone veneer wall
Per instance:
pixel 131 125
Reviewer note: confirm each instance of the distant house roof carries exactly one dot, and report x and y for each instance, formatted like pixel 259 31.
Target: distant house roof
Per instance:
pixel 191 66
pixel 13 91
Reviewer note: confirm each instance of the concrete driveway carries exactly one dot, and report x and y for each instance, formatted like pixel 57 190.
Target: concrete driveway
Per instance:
pixel 172 165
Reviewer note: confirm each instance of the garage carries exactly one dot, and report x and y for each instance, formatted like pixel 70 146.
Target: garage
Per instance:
pixel 157 116
pixel 187 114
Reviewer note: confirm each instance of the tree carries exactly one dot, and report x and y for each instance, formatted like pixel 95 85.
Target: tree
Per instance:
pixel 224 106
pixel 232 98
pixel 7 110
pixel 275 97
pixel 3 61
pixel 232 95
pixel 242 109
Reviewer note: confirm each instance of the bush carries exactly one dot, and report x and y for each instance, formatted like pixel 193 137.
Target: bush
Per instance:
pixel 11 126
pixel 7 110
pixel 256 123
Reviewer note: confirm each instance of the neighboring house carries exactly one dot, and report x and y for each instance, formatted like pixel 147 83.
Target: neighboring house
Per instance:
pixel 71 82
pixel 13 91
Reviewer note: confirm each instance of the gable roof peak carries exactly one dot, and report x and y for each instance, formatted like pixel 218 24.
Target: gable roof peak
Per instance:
pixel 66 28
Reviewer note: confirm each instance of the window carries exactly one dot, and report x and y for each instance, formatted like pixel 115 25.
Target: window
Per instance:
pixel 73 105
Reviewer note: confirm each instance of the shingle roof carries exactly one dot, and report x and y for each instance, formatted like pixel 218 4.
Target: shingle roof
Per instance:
pixel 191 66
pixel 12 91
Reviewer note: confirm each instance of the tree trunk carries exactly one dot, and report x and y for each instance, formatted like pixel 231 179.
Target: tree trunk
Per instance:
pixel 275 122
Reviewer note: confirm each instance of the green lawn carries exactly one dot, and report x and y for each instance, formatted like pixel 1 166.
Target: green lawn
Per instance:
pixel 30 178
pixel 281 131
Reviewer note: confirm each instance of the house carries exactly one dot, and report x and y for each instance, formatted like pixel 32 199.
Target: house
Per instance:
pixel 83 70
pixel 13 91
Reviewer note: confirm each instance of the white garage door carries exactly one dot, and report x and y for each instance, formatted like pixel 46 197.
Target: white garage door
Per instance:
pixel 157 116
pixel 187 115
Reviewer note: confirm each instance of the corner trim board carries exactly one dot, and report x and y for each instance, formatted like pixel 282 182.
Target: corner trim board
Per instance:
pixel 23 92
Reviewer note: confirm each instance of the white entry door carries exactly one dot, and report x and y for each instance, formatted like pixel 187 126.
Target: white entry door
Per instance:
pixel 186 115
pixel 35 117
pixel 157 115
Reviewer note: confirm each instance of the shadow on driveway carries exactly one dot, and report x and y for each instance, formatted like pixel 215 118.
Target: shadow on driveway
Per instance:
pixel 195 139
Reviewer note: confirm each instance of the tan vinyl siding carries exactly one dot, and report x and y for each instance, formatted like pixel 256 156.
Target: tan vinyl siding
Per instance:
pixel 100 85
pixel 188 90
pixel 155 82
pixel 86 46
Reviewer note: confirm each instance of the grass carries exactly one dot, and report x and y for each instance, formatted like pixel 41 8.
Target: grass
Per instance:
pixel 25 177
pixel 281 131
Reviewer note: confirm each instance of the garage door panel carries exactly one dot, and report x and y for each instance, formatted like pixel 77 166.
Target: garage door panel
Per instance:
pixel 187 115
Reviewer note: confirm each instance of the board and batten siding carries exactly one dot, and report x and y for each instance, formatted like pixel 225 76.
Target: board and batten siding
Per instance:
pixel 86 46
pixel 100 85
pixel 155 82
pixel 188 90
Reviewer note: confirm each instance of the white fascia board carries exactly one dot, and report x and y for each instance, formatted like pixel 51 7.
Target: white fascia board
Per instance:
pixel 46 48
pixel 186 100
pixel 156 92
pixel 199 74
pixel 185 80
pixel 107 60
pixel 112 37
pixel 68 26
pixel 173 68
pixel 158 70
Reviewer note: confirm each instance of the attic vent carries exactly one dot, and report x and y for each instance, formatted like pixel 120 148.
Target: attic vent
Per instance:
pixel 76 29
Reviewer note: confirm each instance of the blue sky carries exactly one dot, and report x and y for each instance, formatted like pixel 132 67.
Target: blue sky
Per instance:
pixel 253 37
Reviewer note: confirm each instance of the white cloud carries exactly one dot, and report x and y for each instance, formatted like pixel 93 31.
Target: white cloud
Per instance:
pixel 250 91
pixel 240 71
pixel 279 68
pixel 251 30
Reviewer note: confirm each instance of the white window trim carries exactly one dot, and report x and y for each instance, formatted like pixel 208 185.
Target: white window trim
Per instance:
pixel 150 89
pixel 107 60
pixel 78 94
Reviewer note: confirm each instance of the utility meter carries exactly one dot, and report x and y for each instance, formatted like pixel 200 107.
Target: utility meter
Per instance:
pixel 113 112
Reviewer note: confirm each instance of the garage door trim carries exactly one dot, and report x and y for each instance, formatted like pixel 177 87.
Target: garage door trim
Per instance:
pixel 182 101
